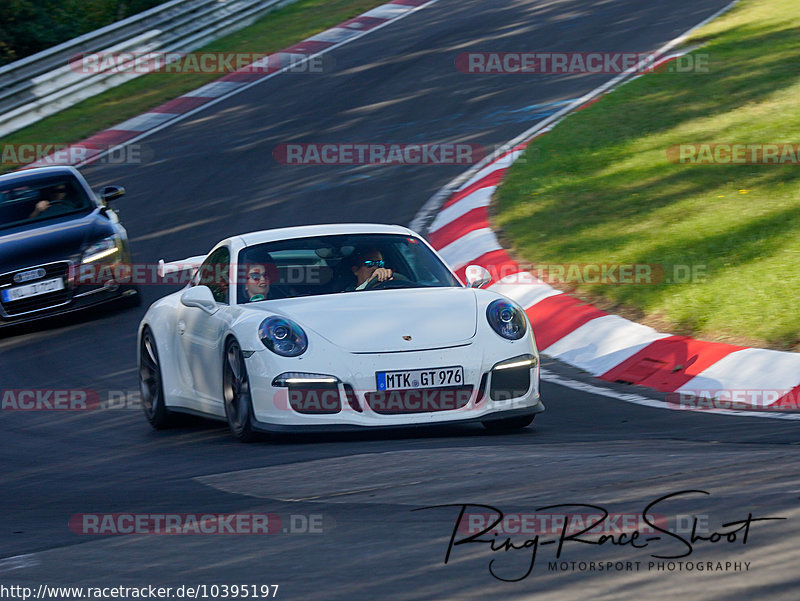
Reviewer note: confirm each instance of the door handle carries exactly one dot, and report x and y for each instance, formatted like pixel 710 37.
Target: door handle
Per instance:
pixel 181 327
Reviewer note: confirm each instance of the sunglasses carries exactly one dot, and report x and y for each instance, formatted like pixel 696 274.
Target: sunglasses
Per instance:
pixel 369 263
pixel 257 276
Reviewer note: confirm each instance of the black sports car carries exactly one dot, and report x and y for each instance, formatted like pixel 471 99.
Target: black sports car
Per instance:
pixel 62 247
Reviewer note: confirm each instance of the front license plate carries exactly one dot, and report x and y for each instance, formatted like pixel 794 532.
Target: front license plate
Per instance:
pixel 420 378
pixel 35 289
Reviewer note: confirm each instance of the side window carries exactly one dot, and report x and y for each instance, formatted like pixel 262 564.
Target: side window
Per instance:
pixel 215 273
pixel 416 264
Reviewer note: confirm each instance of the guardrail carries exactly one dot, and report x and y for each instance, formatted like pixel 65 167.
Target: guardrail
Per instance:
pixel 43 84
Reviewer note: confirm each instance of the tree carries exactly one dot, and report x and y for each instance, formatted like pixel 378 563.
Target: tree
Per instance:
pixel 30 26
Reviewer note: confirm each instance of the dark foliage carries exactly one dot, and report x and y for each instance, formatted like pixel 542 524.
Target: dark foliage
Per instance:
pixel 30 26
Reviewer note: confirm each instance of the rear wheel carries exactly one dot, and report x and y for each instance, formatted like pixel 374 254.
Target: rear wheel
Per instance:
pixel 236 393
pixel 509 424
pixel 151 385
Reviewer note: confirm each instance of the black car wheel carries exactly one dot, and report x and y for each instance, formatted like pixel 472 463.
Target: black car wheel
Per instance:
pixel 151 385
pixel 236 393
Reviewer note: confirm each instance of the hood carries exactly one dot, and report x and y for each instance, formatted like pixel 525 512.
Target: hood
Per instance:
pixel 376 321
pixel 50 241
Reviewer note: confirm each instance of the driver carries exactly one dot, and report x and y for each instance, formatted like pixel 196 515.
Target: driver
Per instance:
pixel 54 195
pixel 369 267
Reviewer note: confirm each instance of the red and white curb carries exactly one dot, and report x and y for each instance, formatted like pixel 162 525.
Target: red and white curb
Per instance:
pixel 606 346
pixel 169 113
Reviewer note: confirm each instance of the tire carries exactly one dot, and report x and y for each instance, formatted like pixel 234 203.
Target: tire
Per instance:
pixel 509 424
pixel 151 384
pixel 236 393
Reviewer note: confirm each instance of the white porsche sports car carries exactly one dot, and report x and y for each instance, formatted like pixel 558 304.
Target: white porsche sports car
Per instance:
pixel 335 328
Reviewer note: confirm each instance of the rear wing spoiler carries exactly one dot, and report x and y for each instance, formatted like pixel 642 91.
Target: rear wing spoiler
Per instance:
pixel 192 263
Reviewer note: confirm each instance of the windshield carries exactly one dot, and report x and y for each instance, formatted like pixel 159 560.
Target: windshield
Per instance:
pixel 37 199
pixel 333 264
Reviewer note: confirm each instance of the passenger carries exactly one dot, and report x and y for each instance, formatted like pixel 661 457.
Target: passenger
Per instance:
pixel 259 280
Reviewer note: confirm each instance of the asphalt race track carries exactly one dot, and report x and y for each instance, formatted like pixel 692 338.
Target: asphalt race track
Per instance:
pixel 213 175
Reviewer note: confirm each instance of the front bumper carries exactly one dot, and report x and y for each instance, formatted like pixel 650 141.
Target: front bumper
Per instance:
pixel 346 405
pixel 343 428
pixel 72 307
pixel 74 297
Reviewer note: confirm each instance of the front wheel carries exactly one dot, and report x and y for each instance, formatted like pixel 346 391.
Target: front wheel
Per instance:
pixel 236 393
pixel 509 424
pixel 151 384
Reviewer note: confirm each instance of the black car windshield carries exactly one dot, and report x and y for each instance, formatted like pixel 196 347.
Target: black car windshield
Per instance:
pixel 341 263
pixel 24 201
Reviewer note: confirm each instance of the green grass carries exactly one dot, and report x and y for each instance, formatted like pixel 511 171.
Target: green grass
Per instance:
pixel 600 189
pixel 273 32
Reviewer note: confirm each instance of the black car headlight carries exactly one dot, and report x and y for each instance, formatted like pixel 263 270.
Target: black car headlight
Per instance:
pixel 103 249
pixel 507 319
pixel 283 336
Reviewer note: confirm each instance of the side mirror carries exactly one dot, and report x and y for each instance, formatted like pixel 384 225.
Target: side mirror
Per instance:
pixel 200 297
pixel 477 276
pixel 110 193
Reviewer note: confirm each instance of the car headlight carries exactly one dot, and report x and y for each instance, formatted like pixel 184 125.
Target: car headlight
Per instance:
pixel 101 250
pixel 507 319
pixel 298 378
pixel 283 336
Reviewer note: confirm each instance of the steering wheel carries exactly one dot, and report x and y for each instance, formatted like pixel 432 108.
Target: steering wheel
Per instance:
pixel 376 284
